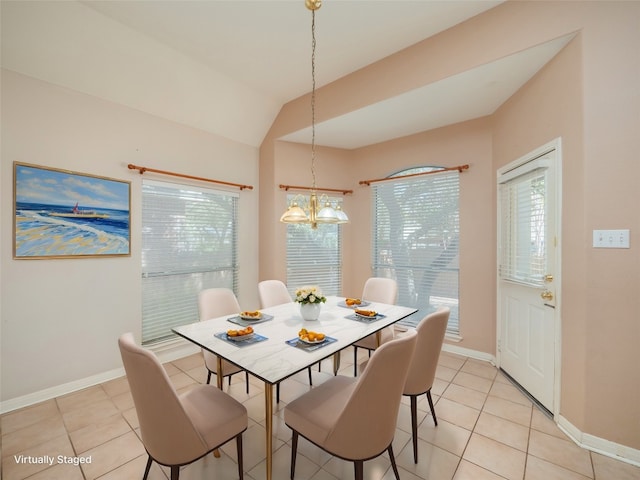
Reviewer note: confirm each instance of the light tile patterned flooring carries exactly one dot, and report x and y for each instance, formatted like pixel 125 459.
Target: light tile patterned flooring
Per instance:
pixel 487 430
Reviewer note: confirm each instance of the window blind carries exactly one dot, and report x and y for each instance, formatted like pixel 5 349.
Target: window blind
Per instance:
pixel 523 217
pixel 314 256
pixel 189 243
pixel 415 241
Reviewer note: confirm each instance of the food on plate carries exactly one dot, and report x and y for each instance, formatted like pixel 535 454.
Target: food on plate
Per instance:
pixel 352 301
pixel 241 332
pixel 251 314
pixel 366 313
pixel 309 336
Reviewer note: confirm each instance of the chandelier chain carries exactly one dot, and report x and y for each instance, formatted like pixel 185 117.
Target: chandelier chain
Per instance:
pixel 313 98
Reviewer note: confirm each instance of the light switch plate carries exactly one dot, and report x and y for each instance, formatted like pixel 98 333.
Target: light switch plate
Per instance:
pixel 611 238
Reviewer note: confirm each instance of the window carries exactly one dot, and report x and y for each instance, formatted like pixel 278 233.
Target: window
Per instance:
pixel 314 256
pixel 188 244
pixel 522 208
pixel 415 240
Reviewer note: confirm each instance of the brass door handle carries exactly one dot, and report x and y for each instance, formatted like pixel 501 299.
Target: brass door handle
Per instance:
pixel 548 278
pixel 547 295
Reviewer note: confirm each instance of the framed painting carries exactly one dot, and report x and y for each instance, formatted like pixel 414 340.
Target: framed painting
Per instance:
pixel 63 214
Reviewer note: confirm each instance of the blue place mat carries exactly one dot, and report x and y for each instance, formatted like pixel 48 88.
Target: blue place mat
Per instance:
pixel 245 323
pixel 296 342
pixel 358 318
pixel 241 343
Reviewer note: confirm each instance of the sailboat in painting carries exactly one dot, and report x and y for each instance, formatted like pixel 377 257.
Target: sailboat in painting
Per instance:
pixel 77 213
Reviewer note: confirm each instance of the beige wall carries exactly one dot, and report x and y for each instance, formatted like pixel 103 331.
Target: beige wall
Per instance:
pixel 61 318
pixel 588 96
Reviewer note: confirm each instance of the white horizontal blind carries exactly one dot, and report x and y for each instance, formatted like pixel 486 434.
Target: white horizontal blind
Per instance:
pixel 314 256
pixel 523 217
pixel 415 240
pixel 189 243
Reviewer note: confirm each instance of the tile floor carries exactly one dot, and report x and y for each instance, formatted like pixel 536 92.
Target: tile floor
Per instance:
pixel 487 430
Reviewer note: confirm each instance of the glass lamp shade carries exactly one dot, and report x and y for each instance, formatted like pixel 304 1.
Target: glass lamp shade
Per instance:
pixel 342 217
pixel 327 215
pixel 294 214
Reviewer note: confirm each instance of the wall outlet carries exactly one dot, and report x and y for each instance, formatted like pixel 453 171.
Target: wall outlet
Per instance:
pixel 611 238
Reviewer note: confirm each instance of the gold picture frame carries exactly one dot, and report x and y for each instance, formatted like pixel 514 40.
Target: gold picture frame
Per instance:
pixel 66 214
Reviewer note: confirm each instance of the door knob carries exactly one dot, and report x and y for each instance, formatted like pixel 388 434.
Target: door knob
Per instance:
pixel 547 295
pixel 548 278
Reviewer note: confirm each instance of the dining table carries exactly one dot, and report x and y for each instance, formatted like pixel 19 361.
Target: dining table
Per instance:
pixel 274 352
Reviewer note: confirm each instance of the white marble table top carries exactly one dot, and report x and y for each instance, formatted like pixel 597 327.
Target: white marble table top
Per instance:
pixel 273 360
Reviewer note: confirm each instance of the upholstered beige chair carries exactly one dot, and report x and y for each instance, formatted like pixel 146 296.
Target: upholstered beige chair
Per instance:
pixel 178 430
pixel 422 371
pixel 355 418
pixel 272 293
pixel 212 303
pixel 376 289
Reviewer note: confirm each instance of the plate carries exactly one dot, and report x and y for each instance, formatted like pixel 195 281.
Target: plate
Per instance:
pixel 256 315
pixel 240 338
pixel 314 342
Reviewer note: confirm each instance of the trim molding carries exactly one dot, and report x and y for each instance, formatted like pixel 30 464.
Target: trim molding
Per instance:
pixel 166 352
pixel 466 352
pixel 599 445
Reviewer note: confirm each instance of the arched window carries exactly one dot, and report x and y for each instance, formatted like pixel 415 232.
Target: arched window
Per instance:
pixel 415 239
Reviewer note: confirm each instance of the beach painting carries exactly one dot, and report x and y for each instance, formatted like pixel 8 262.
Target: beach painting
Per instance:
pixel 63 214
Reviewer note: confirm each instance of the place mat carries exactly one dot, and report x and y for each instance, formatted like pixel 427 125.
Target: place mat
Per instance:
pixel 255 338
pixel 351 307
pixel 245 323
pixel 295 342
pixel 358 318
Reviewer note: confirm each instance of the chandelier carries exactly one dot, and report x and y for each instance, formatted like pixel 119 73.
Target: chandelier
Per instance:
pixel 313 210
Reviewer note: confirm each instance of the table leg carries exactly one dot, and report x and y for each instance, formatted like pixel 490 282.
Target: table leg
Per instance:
pixel 268 410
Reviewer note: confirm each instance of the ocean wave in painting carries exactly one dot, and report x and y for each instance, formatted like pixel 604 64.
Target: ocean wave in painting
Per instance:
pixel 39 234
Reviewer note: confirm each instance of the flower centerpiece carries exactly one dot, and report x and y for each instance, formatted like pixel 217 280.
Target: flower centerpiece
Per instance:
pixel 310 299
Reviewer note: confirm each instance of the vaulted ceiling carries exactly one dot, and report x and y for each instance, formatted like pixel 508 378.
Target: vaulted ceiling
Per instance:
pixel 227 67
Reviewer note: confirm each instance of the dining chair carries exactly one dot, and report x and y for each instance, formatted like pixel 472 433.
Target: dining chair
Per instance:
pixel 383 290
pixel 177 430
pixel 272 293
pixel 353 418
pixel 422 370
pixel 212 303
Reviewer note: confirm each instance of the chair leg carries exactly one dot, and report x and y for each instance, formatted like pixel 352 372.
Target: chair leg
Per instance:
pixel 393 462
pixel 310 379
pixel 433 411
pixel 277 392
pixel 294 451
pixel 246 380
pixel 355 361
pixel 175 472
pixel 239 448
pixel 414 426
pixel 147 468
pixel 208 376
pixel 358 469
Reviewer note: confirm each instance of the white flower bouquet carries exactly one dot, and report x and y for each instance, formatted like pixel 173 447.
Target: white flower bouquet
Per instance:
pixel 310 294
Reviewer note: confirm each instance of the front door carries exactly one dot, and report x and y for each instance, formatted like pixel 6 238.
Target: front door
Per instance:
pixel 528 271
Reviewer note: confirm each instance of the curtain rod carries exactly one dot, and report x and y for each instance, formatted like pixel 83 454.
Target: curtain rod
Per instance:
pixel 181 175
pixel 296 187
pixel 460 169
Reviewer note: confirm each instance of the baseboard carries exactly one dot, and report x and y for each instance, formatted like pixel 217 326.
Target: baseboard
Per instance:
pixel 599 445
pixel 466 352
pixel 166 352
pixel 58 390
